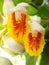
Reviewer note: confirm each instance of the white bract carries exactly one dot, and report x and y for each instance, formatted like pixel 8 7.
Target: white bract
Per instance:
pixel 13 45
pixel 36 18
pixel 5 61
pixel 19 9
pixel 35 25
pixel 23 4
pixel 8 4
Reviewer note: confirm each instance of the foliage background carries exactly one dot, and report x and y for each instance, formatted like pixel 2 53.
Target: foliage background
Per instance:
pixel 40 8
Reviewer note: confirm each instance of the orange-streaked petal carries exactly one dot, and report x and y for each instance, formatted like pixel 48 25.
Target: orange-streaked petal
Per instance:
pixel 17 28
pixel 34 46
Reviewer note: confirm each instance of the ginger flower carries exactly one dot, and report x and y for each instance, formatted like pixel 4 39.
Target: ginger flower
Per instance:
pixel 17 22
pixel 34 39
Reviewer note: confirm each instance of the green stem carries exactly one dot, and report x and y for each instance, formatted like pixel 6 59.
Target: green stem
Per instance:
pixel 45 19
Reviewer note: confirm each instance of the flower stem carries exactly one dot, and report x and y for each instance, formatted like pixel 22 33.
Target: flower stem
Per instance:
pixel 45 19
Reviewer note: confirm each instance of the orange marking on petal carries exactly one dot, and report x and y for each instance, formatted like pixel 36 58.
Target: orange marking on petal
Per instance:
pixel 19 25
pixel 34 41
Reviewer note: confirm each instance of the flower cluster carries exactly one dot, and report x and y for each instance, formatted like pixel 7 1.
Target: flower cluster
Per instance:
pixel 26 30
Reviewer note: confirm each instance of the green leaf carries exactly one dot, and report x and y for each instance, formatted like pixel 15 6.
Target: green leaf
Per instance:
pixel 32 10
pixel 47 33
pixel 1 5
pixel 43 12
pixel 30 60
pixel 18 1
pixel 44 24
pixel 2 26
pixel 37 3
pixel 45 55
